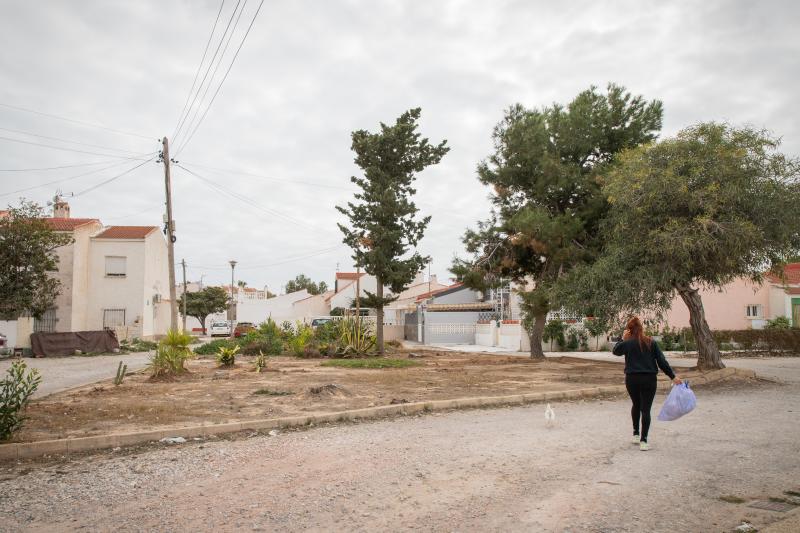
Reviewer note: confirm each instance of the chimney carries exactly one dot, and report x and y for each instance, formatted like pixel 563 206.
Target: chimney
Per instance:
pixel 60 209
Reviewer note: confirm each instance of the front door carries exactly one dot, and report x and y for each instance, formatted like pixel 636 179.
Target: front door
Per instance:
pixel 796 312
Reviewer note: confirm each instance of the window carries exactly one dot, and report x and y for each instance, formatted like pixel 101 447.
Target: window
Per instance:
pixel 115 266
pixel 753 311
pixel 113 318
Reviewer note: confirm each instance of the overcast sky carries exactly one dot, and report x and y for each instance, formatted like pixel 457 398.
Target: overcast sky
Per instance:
pixel 309 73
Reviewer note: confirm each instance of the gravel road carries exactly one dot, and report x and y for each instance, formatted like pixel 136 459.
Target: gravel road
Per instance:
pixel 483 470
pixel 59 373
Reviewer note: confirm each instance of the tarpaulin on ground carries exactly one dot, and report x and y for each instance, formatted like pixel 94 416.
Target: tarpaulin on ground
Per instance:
pixel 51 344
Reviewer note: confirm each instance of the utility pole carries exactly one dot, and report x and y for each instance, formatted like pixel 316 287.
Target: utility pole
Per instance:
pixel 233 266
pixel 185 297
pixel 169 230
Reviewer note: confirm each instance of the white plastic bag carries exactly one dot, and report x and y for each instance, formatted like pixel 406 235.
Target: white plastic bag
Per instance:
pixel 681 400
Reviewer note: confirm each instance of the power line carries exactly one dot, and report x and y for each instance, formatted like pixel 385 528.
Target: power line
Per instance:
pixel 82 123
pixel 109 180
pixel 68 149
pixel 71 142
pixel 149 209
pixel 208 69
pixel 278 263
pixel 62 180
pixel 52 168
pixel 284 180
pixel 223 80
pixel 200 66
pixel 248 201
pixel 216 68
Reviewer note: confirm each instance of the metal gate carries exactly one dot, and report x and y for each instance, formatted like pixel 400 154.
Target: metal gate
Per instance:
pixel 46 324
pixel 411 329
pixel 113 318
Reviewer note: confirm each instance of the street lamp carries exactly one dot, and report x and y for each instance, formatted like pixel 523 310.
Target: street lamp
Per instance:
pixel 233 266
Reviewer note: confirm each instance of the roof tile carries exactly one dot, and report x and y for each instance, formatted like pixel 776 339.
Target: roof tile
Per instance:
pixel 125 232
pixel 68 224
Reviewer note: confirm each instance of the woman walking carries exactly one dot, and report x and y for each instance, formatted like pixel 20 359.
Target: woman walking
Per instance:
pixel 643 358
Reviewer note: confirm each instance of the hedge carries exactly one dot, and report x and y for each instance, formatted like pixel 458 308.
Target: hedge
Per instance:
pixel 762 340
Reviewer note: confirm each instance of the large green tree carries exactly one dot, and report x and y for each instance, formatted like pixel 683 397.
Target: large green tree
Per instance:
pixel 204 302
pixel 547 202
pixel 713 204
pixel 301 281
pixel 383 227
pixel 27 260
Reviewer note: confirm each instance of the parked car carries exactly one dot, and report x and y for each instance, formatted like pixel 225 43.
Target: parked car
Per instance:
pixel 320 321
pixel 243 328
pixel 220 328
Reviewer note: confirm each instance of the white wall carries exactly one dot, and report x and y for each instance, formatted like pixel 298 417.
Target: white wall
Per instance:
pixel 118 293
pixel 9 329
pixel 156 281
pixel 280 308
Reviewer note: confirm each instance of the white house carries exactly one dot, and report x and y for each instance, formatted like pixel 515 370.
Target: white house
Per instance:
pixel 111 278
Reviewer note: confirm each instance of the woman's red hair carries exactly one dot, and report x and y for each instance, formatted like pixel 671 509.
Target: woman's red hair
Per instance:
pixel 637 332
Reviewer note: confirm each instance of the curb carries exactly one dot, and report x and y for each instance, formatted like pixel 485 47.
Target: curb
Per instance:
pixel 81 444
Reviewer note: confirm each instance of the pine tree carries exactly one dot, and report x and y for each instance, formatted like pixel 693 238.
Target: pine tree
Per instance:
pixel 383 227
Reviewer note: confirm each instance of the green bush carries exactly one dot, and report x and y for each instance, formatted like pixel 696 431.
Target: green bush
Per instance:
pixel 301 340
pixel 137 345
pixel 775 341
pixel 554 331
pixel 355 337
pixel 15 393
pixel 780 322
pixel 227 356
pixel 269 346
pixel 260 362
pixel 211 348
pixel 171 354
pixel 269 328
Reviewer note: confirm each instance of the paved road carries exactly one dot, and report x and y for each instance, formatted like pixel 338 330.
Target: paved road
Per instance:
pixel 59 373
pixel 481 470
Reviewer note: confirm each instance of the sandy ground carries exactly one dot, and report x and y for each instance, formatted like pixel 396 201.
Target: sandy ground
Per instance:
pixel 208 394
pixel 482 470
pixel 60 373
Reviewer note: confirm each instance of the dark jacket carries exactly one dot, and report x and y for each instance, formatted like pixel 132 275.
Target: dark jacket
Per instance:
pixel 642 361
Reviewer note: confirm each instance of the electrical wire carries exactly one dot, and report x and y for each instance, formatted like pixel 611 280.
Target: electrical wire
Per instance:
pixel 62 180
pixel 54 168
pixel 69 149
pixel 268 265
pixel 216 68
pixel 271 178
pixel 71 142
pixel 199 67
pixel 188 140
pixel 208 69
pixel 82 123
pixel 249 201
pixel 129 215
pixel 113 178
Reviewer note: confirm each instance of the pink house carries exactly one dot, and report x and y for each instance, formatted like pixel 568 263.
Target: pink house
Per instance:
pixel 745 305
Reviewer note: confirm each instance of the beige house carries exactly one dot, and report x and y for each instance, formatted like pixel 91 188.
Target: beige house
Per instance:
pixel 112 277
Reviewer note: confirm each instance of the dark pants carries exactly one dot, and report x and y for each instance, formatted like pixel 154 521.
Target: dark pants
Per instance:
pixel 642 390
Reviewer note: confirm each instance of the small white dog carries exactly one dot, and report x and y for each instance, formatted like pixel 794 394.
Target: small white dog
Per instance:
pixel 549 416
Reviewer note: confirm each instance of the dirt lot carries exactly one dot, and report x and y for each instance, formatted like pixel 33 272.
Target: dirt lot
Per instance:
pixel 208 394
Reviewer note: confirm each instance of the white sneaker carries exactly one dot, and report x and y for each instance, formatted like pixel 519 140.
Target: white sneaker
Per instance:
pixel 643 446
pixel 635 439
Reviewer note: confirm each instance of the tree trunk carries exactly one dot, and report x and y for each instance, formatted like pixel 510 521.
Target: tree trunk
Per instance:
pixel 535 335
pixel 202 323
pixel 708 356
pixel 379 318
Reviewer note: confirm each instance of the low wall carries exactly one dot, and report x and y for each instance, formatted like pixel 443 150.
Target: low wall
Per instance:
pixel 393 333
pixel 486 334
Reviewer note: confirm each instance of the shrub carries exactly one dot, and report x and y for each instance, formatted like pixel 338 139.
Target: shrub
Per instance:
pixel 572 340
pixel 171 354
pixel 138 345
pixel 227 356
pixel 260 362
pixel 780 322
pixel 211 348
pixel 554 331
pixel 355 337
pixel 775 341
pixel 269 346
pixel 301 340
pixel 15 393
pixel 269 328
pixel 287 330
